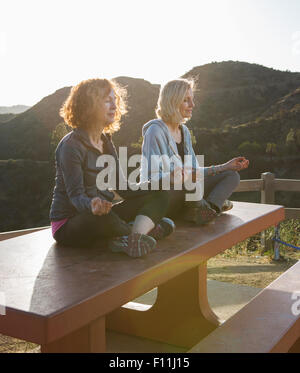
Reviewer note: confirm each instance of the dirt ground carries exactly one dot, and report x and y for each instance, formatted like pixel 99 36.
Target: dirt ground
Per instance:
pixel 236 265
pixel 256 271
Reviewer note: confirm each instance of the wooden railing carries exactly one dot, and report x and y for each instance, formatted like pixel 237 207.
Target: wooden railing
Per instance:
pixel 267 186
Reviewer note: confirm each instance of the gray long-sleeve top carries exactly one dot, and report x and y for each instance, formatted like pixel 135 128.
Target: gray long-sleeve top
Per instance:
pixel 76 175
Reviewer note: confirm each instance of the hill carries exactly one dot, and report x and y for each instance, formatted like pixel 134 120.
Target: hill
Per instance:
pixel 279 125
pixel 241 109
pixel 7 117
pixel 27 136
pixel 141 101
pixel 15 109
pixel 36 124
pixel 228 94
pixel 237 92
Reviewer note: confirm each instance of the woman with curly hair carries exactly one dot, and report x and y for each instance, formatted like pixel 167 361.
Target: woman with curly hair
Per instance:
pixel 83 212
pixel 168 136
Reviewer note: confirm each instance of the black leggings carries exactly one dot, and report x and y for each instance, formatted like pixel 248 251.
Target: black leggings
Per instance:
pixel 85 229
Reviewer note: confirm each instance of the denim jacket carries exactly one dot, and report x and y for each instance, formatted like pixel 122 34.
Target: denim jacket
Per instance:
pixel 76 174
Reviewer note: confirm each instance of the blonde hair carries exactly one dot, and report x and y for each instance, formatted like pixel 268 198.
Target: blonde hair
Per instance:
pixel 171 96
pixel 80 108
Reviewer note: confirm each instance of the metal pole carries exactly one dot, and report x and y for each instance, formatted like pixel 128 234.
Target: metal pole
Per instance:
pixel 276 244
pixel 267 196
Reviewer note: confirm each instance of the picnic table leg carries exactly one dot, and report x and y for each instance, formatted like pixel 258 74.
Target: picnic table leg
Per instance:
pixel 90 338
pixel 180 316
pixel 296 347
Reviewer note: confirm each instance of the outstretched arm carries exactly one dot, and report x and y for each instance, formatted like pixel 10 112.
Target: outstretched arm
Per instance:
pixel 235 164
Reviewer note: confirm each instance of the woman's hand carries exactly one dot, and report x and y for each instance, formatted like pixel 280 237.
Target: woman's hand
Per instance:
pixel 100 206
pixel 178 175
pixel 236 164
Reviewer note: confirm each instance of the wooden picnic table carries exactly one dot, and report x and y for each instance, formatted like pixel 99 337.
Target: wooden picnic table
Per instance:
pixel 65 298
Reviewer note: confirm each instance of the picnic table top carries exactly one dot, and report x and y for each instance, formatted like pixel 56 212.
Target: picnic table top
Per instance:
pixel 41 278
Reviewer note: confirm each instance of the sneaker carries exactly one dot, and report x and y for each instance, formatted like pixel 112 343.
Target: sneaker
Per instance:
pixel 134 245
pixel 163 229
pixel 227 205
pixel 202 213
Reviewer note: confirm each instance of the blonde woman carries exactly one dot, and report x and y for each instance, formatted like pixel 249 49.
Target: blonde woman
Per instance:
pixel 82 213
pixel 169 136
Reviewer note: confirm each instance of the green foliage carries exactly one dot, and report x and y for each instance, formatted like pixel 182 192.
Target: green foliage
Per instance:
pixel 297 137
pixel 271 149
pixel 137 145
pixel 250 148
pixel 193 138
pixel 25 193
pixel 293 140
pixel 290 138
pixel 252 246
pixel 290 233
pixel 57 134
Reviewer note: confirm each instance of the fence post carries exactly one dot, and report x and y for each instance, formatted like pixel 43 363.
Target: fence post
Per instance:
pixel 267 196
pixel 268 192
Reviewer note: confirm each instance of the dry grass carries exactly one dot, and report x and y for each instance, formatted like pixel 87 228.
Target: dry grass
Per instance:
pixel 249 263
pixel 13 345
pixel 257 271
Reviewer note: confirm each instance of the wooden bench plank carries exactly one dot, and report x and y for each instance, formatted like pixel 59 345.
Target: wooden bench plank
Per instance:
pixel 60 290
pixel 265 324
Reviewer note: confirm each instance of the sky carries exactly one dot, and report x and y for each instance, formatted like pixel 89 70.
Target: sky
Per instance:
pixel 46 45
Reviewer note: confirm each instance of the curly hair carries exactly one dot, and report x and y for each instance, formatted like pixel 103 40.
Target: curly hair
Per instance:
pixel 80 108
pixel 170 98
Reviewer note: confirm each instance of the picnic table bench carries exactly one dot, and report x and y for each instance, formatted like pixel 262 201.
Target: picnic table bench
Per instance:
pixel 65 298
pixel 270 322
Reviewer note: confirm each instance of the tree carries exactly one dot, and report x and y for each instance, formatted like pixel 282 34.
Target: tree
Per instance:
pixel 297 139
pixel 250 148
pixel 290 138
pixel 193 138
pixel 271 149
pixel 137 145
pixel 293 140
pixel 57 134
